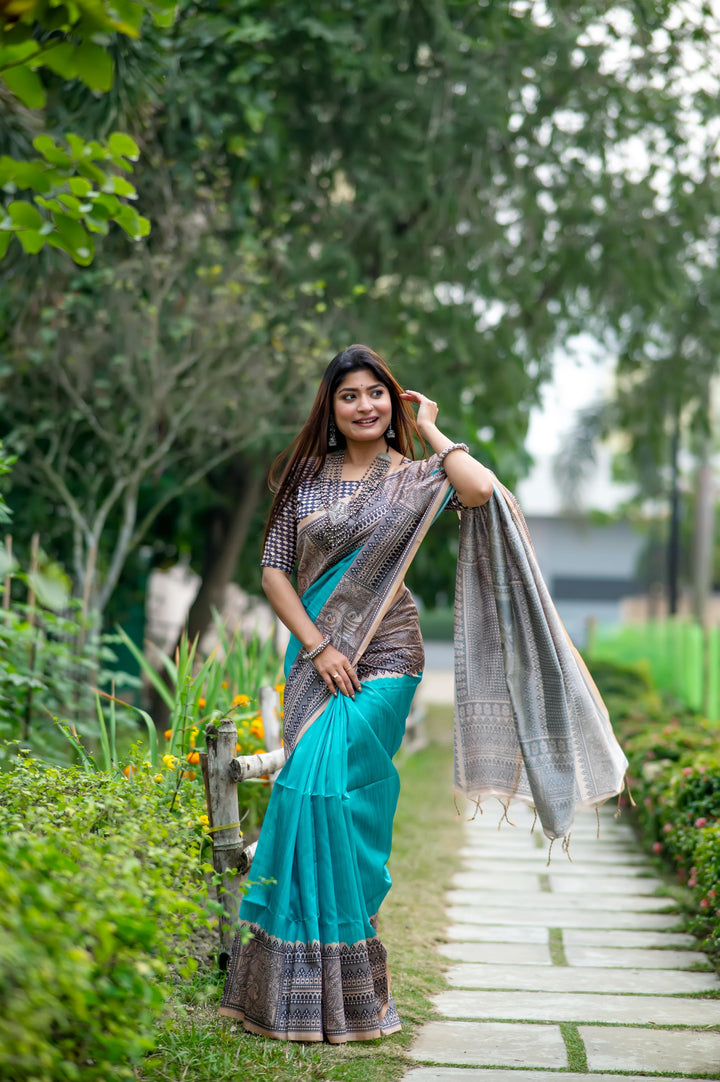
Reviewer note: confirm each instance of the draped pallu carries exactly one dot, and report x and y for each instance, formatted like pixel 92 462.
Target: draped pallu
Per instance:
pixel 529 724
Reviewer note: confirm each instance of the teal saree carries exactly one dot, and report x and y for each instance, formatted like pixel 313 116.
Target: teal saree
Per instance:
pixel 529 726
pixel 315 968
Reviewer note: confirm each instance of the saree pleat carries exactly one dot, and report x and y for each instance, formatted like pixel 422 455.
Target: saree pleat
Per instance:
pixel 315 968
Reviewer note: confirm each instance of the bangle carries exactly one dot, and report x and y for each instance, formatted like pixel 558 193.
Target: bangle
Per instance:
pixel 309 655
pixel 452 447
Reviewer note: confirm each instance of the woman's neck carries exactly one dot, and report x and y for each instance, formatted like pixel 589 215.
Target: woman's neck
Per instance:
pixel 362 454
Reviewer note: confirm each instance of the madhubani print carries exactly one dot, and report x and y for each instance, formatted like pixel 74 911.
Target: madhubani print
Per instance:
pixel 529 721
pixel 389 533
pixel 310 991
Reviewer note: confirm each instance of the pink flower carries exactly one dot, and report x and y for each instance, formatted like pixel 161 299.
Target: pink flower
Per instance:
pixel 667 829
pixel 701 822
pixel 692 882
pixel 687 771
pixel 704 903
pixel 712 893
pixel 657 847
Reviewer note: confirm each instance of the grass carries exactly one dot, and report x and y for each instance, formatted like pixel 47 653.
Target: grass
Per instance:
pixel 196 1045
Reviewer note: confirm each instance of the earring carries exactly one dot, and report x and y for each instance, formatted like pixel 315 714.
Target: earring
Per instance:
pixel 390 431
pixel 332 434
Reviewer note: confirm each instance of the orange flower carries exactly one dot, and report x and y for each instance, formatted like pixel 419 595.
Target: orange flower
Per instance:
pixel 257 728
pixel 130 770
pixel 168 734
pixel 190 774
pixel 201 703
pixel 238 749
pixel 241 700
pixel 193 756
pixel 224 684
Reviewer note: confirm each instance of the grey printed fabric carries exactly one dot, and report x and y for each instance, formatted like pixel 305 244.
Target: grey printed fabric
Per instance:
pixel 529 722
pixel 310 991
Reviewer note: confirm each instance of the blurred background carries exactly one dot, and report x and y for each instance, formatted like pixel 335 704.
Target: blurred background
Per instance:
pixel 515 203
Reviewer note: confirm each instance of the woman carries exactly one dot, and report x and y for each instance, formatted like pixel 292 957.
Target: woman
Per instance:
pixel 350 510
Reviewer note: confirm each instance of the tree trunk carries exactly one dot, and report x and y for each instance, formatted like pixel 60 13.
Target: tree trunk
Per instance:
pixel 220 563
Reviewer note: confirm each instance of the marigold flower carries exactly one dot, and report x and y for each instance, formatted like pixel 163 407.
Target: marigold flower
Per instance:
pixel 257 728
pixel 224 684
pixel 201 703
pixel 190 774
pixel 158 777
pixel 170 761
pixel 241 700
pixel 238 749
pixel 130 770
pixel 193 756
pixel 168 734
pixel 205 820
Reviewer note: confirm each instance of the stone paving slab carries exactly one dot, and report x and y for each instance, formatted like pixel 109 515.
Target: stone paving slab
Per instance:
pixel 496 1074
pixel 497 933
pixel 487 879
pixel 610 884
pixel 603 937
pixel 612 957
pixel 536 863
pixel 555 917
pixel 582 979
pixel 535 954
pixel 507 858
pixel 497 1044
pixel 573 1007
pixel 620 1049
pixel 543 899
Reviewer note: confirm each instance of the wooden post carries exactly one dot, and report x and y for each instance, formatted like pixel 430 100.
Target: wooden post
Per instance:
pixel 224 815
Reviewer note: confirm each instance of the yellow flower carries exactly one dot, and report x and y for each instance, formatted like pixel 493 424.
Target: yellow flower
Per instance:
pixel 205 820
pixel 170 761
pixel 158 777
pixel 241 700
pixel 280 688
pixel 257 728
pixel 192 741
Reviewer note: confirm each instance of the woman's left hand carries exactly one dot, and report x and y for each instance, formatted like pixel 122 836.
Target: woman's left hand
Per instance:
pixel 427 409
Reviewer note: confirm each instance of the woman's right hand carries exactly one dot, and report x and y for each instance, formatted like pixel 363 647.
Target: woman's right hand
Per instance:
pixel 337 672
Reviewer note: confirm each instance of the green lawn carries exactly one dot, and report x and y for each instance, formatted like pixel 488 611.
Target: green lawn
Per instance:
pixel 198 1046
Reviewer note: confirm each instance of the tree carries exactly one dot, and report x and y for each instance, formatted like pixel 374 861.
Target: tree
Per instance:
pixel 73 188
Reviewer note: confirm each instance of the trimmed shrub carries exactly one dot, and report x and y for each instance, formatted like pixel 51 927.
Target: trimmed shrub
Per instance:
pixel 674 773
pixel 101 896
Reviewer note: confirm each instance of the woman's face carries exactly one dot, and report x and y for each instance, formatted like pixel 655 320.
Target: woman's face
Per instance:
pixel 362 406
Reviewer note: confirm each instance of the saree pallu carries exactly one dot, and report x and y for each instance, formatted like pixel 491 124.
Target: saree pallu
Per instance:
pixel 315 968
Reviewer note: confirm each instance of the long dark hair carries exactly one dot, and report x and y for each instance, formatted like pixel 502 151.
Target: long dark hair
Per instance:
pixel 305 457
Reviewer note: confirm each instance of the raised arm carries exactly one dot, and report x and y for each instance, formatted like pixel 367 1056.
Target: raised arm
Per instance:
pixel 472 481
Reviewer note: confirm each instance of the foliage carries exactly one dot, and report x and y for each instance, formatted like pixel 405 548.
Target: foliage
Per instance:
pixel 75 187
pixel 674 774
pixel 100 888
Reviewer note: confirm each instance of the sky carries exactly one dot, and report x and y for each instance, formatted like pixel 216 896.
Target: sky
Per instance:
pixel 579 380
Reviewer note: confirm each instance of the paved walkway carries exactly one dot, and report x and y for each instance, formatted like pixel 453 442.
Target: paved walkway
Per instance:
pixel 575 968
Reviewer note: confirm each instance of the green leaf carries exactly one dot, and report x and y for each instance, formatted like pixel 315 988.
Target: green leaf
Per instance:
pixel 51 585
pixel 25 215
pixel 31 239
pixel 120 186
pixel 123 144
pixel 51 152
pixel 5 238
pixel 26 85
pixel 61 60
pixel 94 66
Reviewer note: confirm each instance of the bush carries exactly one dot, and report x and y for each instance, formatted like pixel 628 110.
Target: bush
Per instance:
pixel 101 896
pixel 674 773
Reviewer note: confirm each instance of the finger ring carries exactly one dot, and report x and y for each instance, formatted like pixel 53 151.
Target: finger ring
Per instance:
pixel 336 676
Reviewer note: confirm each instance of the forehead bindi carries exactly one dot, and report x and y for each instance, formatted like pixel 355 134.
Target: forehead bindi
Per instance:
pixel 359 381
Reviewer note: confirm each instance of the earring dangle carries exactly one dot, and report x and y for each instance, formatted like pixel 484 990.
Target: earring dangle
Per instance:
pixel 332 434
pixel 390 431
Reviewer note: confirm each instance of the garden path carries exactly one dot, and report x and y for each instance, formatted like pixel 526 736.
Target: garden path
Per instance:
pixel 567 972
